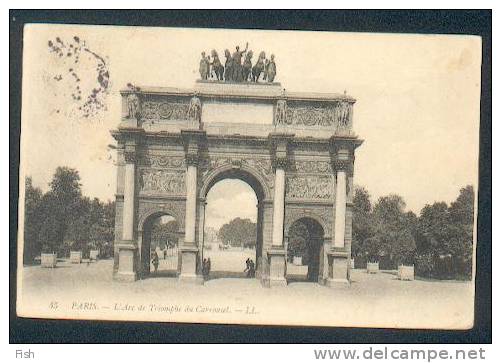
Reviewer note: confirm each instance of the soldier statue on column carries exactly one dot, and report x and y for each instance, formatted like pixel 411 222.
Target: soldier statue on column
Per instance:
pixel 133 104
pixel 195 109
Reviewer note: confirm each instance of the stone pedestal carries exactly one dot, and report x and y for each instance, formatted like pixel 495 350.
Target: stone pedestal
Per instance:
pixel 94 255
pixel 127 263
pixel 189 261
pixel 339 268
pixel 75 256
pixel 48 260
pixel 405 272
pixel 276 260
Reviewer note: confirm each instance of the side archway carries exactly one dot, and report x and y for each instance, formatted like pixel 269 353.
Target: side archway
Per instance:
pixel 305 250
pixel 160 239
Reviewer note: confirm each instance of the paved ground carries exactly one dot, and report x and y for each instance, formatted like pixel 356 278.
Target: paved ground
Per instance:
pixel 88 291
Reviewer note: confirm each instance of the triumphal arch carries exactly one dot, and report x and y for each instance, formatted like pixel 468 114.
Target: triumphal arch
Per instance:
pixel 296 150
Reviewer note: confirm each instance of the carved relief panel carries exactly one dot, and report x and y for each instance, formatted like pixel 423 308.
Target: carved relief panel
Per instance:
pixel 309 187
pixel 336 115
pixel 152 181
pixel 312 166
pixel 165 108
pixel 163 161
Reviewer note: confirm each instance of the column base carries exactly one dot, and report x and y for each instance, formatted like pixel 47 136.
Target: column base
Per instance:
pixel 127 262
pixel 339 268
pixel 125 277
pixel 276 260
pixel 277 282
pixel 189 264
pixel 337 283
pixel 190 279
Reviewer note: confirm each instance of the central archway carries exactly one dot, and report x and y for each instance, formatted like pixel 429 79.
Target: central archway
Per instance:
pixel 230 257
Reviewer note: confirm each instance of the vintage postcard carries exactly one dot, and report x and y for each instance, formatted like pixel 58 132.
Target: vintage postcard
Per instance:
pixel 248 176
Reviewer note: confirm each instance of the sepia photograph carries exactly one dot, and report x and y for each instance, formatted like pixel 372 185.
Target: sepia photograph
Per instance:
pixel 256 177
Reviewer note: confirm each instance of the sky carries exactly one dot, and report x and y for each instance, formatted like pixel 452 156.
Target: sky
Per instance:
pixel 418 102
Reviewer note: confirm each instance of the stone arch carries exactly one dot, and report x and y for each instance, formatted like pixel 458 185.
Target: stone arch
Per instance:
pixel 245 173
pixel 312 248
pixel 146 218
pixel 257 182
pixel 158 211
pixel 295 215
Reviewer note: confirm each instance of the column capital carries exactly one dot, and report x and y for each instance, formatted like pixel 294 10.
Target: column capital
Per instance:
pixel 342 165
pixel 192 159
pixel 281 162
pixel 192 140
pixel 130 157
pixel 279 143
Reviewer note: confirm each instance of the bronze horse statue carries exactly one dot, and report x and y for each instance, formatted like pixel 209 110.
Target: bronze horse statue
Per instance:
pixel 217 67
pixel 228 66
pixel 247 66
pixel 258 67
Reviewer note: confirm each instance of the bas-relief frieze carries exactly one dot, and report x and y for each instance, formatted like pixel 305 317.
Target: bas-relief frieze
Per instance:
pixel 312 166
pixel 309 187
pixel 151 110
pixel 335 114
pixel 162 182
pixel 163 161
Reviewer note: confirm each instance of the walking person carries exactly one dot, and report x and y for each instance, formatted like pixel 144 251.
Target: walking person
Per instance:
pixel 247 266
pixel 252 269
pixel 155 261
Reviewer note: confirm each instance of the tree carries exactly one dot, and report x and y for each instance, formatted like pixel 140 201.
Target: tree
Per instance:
pixel 164 234
pixel 461 210
pixel 51 231
pixel 32 221
pixel 363 225
pixel 298 237
pixel 431 225
pixel 393 235
pixel 239 232
pixel 461 214
pixel 64 201
pixel 78 231
pixel 446 236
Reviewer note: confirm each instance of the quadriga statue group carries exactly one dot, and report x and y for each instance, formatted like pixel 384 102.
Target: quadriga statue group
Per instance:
pixel 234 70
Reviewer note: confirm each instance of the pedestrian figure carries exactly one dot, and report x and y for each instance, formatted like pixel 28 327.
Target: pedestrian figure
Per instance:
pixel 165 253
pixel 247 266
pixel 154 260
pixel 252 269
pixel 206 268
